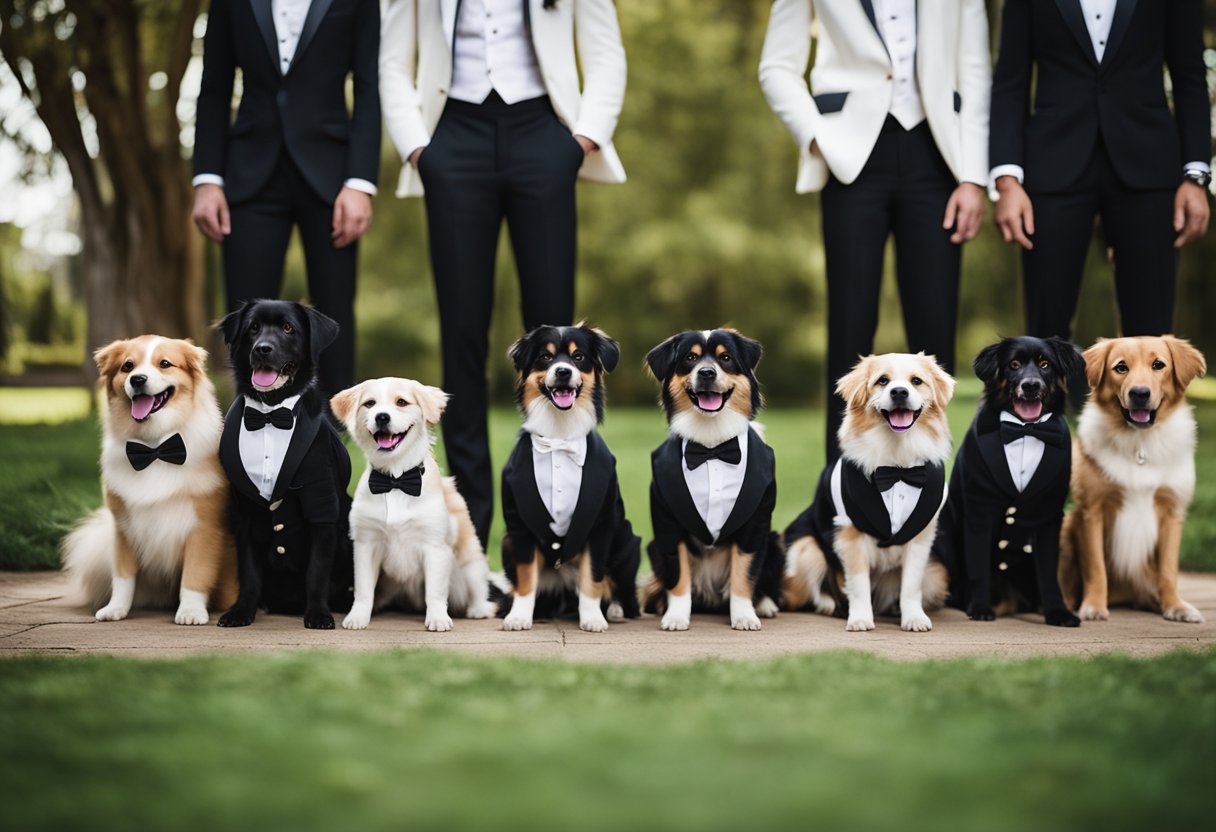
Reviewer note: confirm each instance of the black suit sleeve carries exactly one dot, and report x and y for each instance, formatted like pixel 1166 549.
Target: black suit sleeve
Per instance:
pixel 1010 87
pixel 1184 57
pixel 363 155
pixel 214 108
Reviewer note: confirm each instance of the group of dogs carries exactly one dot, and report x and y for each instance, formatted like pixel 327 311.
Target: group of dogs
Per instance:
pixel 251 511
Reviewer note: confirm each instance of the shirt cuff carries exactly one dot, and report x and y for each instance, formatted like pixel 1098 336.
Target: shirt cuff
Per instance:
pixel 1200 166
pixel 361 185
pixel 1016 171
pixel 207 179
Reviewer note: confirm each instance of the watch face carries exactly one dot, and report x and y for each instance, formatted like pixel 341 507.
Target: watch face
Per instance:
pixel 1199 177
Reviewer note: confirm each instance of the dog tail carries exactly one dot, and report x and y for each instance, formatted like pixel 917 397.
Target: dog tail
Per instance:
pixel 88 558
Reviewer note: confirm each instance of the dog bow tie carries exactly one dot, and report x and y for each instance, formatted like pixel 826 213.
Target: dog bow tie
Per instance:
pixel 885 476
pixel 1045 432
pixel 172 451
pixel 573 447
pixel 410 482
pixel 697 454
pixel 280 417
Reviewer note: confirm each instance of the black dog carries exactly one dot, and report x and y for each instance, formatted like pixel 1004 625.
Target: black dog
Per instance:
pixel 288 468
pixel 999 533
pixel 573 545
pixel 712 554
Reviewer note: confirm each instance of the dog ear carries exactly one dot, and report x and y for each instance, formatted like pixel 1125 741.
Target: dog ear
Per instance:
pixel 1068 358
pixel 322 330
pixel 519 352
pixel 343 404
pixel 747 350
pixel 987 364
pixel 196 358
pixel 943 382
pixel 431 400
pixel 607 350
pixel 662 359
pixel 854 385
pixel 1189 363
pixel 230 326
pixel 1095 361
pixel 109 357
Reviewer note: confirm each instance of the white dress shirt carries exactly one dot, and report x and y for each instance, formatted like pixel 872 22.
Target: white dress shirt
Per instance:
pixel 558 467
pixel 896 21
pixel 900 499
pixel 289 17
pixel 1023 455
pixel 262 451
pixel 714 486
pixel 493 52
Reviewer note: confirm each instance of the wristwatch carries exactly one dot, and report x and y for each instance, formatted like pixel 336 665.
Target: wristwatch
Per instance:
pixel 1202 178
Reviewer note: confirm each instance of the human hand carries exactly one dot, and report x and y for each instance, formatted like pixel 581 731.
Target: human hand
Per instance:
pixel 352 216
pixel 211 212
pixel 1191 213
pixel 964 212
pixel 1014 214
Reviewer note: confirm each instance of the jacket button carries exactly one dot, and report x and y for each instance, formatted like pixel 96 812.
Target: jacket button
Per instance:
pixel 1008 521
pixel 555 546
pixel 280 550
pixel 1011 510
pixel 278 527
pixel 1002 566
pixel 1002 544
pixel 1028 548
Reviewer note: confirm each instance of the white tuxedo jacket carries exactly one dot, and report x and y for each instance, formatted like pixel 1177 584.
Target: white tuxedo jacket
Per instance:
pixel 416 72
pixel 851 83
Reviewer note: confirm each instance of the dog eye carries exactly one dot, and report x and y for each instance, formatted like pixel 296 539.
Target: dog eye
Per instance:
pixel 917 380
pixel 546 357
pixel 128 366
pixel 288 328
pixel 370 403
pixel 691 357
pixel 1044 363
pixel 1015 364
pixel 578 357
pixel 725 358
pixel 165 364
pixel 1121 368
pixel 402 403
pixel 883 381
pixel 255 327
pixel 1158 364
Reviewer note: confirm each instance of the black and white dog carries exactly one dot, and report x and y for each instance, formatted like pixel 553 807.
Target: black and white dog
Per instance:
pixel 713 486
pixel 999 532
pixel 287 466
pixel 567 539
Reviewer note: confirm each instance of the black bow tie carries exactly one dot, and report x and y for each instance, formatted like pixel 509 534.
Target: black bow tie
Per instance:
pixel 886 476
pixel 410 482
pixel 280 417
pixel 697 454
pixel 1047 432
pixel 172 451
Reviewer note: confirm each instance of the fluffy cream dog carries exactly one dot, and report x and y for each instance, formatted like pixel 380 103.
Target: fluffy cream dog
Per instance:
pixel 414 541
pixel 163 531
pixel 874 517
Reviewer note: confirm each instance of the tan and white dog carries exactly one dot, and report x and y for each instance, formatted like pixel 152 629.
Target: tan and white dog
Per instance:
pixel 163 531
pixel 871 526
pixel 1133 477
pixel 414 540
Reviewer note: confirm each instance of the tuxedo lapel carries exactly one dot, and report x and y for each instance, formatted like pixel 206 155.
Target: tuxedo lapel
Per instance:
pixel 1075 18
pixel 230 452
pixel 597 473
pixel 312 22
pixel 263 14
pixel 988 437
pixel 522 477
pixel 449 10
pixel 756 480
pixel 1118 28
pixel 861 494
pixel 307 425
pixel 1051 466
pixel 669 474
pixel 927 506
pixel 868 5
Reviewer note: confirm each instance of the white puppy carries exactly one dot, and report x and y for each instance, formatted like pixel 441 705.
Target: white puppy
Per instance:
pixel 411 528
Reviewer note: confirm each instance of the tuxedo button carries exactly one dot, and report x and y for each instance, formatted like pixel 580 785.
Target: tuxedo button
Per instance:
pixel 1028 548
pixel 280 550
pixel 890 76
pixel 1002 566
pixel 1011 510
pixel 555 546
pixel 278 527
pixel 1008 521
pixel 443 91
pixel 1002 544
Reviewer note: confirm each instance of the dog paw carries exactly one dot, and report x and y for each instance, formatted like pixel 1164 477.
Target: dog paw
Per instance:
pixel 674 622
pixel 745 622
pixel 190 615
pixel 482 609
pixel 594 623
pixel 237 618
pixel 1183 612
pixel 859 624
pixel 766 608
pixel 616 613
pixel 357 619
pixel 112 612
pixel 1089 612
pixel 438 622
pixel 318 621
pixel 916 622
pixel 981 612
pixel 1061 618
pixel 517 622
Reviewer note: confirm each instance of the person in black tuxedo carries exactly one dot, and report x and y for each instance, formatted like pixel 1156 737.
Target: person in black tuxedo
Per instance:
pixel 294 157
pixel 1100 140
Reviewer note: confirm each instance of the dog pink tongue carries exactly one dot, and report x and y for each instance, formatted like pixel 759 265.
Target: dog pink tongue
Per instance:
pixel 265 378
pixel 563 398
pixel 386 440
pixel 709 401
pixel 1028 411
pixel 901 418
pixel 141 406
pixel 1141 416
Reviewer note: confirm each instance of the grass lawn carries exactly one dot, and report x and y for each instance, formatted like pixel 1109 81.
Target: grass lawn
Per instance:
pixel 49 474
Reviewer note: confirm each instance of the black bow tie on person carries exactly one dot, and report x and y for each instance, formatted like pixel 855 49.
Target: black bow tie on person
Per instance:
pixel 410 482
pixel 172 451
pixel 697 454
pixel 281 417
pixel 1045 432
pixel 885 476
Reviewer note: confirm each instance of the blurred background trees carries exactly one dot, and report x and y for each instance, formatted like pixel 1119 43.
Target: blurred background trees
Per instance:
pixel 707 231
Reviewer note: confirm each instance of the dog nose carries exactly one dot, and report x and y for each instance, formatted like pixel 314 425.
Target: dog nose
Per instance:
pixel 382 418
pixel 1139 396
pixel 562 372
pixel 1031 386
pixel 707 373
pixel 262 348
pixel 139 381
pixel 899 395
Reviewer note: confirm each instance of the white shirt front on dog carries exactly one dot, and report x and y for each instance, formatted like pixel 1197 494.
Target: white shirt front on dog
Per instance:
pixel 558 467
pixel 714 486
pixel 1023 455
pixel 900 499
pixel 262 451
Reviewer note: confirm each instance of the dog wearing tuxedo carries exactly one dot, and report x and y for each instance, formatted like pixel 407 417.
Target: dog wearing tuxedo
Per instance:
pixel 713 485
pixel 287 467
pixel 999 533
pixel 568 543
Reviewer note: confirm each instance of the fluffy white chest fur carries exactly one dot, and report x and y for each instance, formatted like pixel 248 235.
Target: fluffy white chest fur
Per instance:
pixel 1143 463
pixel 408 523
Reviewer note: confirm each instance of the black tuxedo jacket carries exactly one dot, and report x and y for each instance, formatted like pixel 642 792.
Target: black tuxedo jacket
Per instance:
pixel 300 111
pixel 309 492
pixel 676 520
pixel 985 508
pixel 1122 98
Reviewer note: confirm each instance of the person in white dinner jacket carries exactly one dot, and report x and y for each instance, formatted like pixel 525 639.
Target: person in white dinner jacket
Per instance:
pixel 893 129
pixel 482 100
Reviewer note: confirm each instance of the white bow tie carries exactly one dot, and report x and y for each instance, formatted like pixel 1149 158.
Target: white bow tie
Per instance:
pixel 575 448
